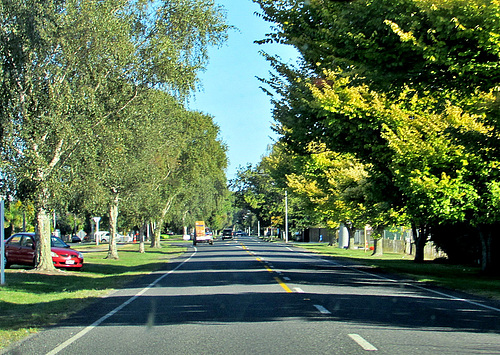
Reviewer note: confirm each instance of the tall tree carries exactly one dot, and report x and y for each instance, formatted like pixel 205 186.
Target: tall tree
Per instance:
pixel 70 67
pixel 201 172
pixel 375 69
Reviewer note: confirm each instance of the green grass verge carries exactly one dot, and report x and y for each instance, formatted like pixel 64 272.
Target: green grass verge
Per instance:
pixel 458 277
pixel 30 300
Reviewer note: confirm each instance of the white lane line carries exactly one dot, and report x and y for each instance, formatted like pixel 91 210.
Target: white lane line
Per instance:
pixel 298 290
pixel 362 342
pixel 117 309
pixel 288 248
pixel 286 278
pixel 445 295
pixel 322 309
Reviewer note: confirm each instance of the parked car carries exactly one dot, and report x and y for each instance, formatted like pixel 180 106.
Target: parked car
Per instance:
pixel 104 237
pixel 124 238
pixel 101 236
pixel 20 250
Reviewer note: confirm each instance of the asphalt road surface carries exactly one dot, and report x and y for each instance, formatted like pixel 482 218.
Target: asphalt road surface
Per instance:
pixel 244 296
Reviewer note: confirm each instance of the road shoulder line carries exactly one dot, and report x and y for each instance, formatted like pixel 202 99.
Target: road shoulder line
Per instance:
pixel 117 309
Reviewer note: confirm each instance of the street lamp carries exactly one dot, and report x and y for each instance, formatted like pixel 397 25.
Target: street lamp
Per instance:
pixel 286 216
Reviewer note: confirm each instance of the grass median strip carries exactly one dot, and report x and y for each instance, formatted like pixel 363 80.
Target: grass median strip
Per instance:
pixel 33 300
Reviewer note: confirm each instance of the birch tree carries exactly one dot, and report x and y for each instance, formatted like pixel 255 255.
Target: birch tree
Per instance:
pixel 68 68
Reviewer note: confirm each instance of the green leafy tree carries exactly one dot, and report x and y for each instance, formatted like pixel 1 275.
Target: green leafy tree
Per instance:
pixel 161 143
pixel 256 191
pixel 374 70
pixel 69 68
pixel 18 217
pixel 203 184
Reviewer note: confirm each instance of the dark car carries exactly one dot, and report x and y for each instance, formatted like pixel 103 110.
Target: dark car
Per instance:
pixel 227 233
pixel 20 250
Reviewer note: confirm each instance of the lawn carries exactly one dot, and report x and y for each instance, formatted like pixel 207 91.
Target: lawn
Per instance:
pixel 30 301
pixel 466 278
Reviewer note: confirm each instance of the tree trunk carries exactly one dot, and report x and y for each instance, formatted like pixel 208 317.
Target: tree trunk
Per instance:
pixel 185 228
pixel 378 247
pixel 378 242
pixel 113 216
pixel 43 256
pixel 489 263
pixel 350 232
pixel 421 235
pixel 155 240
pixel 142 248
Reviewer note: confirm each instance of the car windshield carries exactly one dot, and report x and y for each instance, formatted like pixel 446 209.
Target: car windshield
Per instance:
pixel 58 242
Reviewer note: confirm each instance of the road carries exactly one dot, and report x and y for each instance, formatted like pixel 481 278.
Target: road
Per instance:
pixel 249 297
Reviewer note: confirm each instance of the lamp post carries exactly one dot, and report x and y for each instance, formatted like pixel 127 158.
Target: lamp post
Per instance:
pixel 286 216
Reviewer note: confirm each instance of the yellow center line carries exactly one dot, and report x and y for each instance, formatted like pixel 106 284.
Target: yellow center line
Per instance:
pixel 278 280
pixel 282 284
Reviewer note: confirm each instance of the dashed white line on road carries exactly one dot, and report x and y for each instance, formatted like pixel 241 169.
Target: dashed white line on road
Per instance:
pixel 322 309
pixel 298 290
pixel 496 309
pixel 362 342
pixel 287 278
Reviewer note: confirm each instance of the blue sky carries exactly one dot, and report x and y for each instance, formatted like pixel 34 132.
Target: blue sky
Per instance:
pixel 231 92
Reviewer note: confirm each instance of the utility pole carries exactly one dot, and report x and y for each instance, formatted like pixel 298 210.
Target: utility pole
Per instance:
pixel 286 216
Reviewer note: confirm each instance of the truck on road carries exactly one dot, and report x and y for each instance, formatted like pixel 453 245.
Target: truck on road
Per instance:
pixel 201 235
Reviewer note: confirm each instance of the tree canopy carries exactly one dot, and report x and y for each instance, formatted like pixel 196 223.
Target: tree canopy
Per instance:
pixel 410 89
pixel 72 70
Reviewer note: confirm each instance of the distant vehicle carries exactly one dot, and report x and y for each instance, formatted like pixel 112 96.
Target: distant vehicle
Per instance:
pixel 20 250
pixel 124 238
pixel 101 236
pixel 238 233
pixel 227 233
pixel 104 237
pixel 201 235
pixel 75 239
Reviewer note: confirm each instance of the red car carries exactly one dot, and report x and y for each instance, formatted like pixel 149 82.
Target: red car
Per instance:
pixel 20 250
